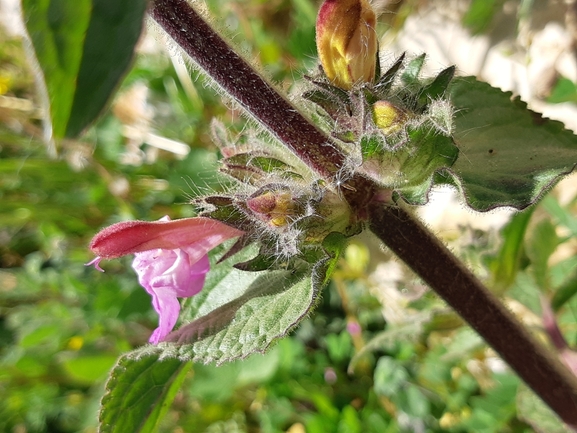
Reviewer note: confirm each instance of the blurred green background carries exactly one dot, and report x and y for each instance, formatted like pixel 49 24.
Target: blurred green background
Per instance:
pixel 380 354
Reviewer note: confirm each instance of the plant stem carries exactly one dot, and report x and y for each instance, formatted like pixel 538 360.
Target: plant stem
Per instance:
pixel 238 79
pixel 444 273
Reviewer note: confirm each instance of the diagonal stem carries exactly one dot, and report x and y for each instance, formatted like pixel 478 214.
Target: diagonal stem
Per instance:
pixel 238 79
pixel 444 273
pixel 411 241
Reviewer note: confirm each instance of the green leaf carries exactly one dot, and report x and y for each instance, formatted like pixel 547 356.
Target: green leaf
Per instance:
pixel 562 215
pixel 390 377
pixel 88 369
pixel 480 15
pixel 539 246
pixel 84 48
pixel 507 262
pixel 565 292
pixel 239 313
pixel 139 391
pixel 565 90
pixel 508 155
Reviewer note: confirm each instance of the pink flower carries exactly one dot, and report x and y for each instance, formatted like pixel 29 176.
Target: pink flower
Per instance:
pixel 170 260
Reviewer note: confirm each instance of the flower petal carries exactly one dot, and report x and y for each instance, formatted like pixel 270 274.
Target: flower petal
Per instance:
pixel 166 275
pixel 129 237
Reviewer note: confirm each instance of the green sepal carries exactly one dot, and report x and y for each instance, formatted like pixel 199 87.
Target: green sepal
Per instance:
pixel 335 101
pixel 330 104
pixel 266 164
pixel 219 134
pixel 410 75
pixel 333 244
pixel 222 208
pixel 242 173
pixel 371 144
pixel 386 81
pixel 437 87
pixel 409 168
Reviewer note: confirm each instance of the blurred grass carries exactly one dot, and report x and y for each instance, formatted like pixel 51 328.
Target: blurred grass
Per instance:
pixel 62 325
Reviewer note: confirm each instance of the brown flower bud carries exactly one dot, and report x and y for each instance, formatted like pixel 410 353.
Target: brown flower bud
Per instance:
pixel 347 42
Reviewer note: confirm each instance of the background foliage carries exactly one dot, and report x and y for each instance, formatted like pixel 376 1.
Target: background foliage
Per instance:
pixel 380 353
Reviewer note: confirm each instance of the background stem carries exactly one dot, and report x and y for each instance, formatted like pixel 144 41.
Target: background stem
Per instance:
pixel 444 273
pixel 234 75
pixel 412 242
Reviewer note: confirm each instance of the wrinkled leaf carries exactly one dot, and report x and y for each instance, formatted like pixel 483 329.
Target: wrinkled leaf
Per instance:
pixel 239 313
pixel 139 391
pixel 508 155
pixel 83 47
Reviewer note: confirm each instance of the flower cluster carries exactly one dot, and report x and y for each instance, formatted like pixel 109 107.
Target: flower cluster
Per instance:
pixel 395 126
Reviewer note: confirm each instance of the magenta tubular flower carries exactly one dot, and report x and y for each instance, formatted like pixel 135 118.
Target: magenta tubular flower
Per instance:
pixel 171 259
pixel 347 42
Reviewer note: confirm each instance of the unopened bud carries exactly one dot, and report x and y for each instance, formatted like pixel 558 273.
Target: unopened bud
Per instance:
pixel 388 117
pixel 347 42
pixel 274 207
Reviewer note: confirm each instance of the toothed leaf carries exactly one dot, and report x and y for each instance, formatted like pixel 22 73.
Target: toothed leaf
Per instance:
pixel 239 313
pixel 139 391
pixel 509 155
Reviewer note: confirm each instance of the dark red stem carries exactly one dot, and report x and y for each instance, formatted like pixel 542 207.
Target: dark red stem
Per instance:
pixel 444 273
pixel 233 74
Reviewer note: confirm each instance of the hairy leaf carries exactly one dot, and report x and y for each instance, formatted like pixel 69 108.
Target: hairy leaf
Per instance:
pixel 139 391
pixel 83 47
pixel 508 155
pixel 239 313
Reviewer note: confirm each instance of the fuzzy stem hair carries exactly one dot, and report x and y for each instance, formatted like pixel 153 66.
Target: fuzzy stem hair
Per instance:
pixel 237 78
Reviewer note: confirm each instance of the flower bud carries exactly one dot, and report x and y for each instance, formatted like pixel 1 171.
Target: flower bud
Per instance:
pixel 347 42
pixel 388 117
pixel 273 207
